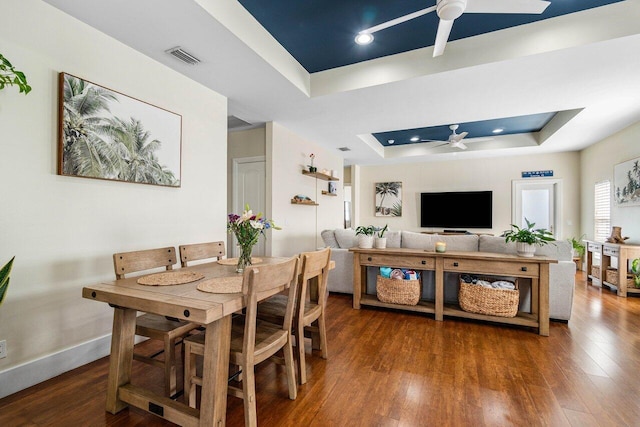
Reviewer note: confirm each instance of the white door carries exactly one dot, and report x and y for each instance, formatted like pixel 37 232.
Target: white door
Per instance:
pixel 249 188
pixel 537 202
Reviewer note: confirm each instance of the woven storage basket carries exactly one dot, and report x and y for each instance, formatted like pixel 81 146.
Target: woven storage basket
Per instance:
pixel 397 291
pixel 595 270
pixel 494 302
pixel 612 276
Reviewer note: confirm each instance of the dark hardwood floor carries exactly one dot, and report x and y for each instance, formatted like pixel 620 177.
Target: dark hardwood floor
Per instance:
pixel 389 368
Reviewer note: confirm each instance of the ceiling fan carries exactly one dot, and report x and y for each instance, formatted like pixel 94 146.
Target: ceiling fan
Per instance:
pixel 455 139
pixel 449 10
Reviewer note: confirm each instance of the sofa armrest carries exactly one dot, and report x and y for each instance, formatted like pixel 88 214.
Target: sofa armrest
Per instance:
pixel 562 278
pixel 341 278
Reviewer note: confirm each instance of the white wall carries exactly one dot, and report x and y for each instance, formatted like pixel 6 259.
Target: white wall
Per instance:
pixel 494 174
pixel 287 155
pixel 597 163
pixel 63 230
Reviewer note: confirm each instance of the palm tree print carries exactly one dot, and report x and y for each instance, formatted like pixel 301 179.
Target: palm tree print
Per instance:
pixel 393 190
pixel 98 144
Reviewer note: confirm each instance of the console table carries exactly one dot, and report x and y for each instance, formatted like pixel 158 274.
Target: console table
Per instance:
pixel 623 253
pixel 535 268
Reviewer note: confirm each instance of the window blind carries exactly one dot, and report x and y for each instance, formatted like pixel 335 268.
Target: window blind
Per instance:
pixel 602 211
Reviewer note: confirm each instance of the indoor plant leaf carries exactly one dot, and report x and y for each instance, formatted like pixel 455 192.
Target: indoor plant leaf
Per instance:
pixel 4 278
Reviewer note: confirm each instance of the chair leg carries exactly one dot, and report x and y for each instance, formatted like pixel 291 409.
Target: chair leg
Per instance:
pixel 300 355
pixel 323 336
pixel 169 367
pixel 189 373
pixel 290 368
pixel 249 395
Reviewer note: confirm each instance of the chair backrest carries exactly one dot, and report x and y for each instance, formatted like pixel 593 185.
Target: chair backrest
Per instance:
pixel 130 262
pixel 200 251
pixel 261 282
pixel 314 265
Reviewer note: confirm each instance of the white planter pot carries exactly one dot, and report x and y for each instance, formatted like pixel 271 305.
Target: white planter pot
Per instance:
pixel 380 242
pixel 525 249
pixel 365 242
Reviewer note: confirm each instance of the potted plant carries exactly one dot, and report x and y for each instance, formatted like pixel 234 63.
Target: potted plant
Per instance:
pixel 635 269
pixel 578 247
pixel 311 167
pixel 4 278
pixel 527 238
pixel 380 242
pixel 365 236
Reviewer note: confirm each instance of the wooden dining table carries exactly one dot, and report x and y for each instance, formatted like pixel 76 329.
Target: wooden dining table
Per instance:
pixel 211 310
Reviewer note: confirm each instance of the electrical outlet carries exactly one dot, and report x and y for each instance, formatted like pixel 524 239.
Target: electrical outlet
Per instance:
pixel 3 349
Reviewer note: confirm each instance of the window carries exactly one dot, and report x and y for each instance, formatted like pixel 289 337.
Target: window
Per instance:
pixel 602 211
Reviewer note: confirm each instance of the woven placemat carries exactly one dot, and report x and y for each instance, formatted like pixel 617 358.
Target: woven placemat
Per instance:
pixel 170 278
pixel 222 285
pixel 234 261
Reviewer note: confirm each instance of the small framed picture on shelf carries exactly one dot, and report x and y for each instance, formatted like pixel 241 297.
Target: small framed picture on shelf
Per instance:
pixel 333 188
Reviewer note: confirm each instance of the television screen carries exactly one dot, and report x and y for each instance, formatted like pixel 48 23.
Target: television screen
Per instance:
pixel 459 209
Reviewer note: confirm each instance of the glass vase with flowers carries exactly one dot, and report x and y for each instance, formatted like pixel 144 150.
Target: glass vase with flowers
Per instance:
pixel 247 228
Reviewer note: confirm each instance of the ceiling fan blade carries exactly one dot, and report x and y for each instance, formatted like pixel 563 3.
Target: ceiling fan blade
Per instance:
pixel 399 20
pixel 444 28
pixel 459 136
pixel 459 145
pixel 506 6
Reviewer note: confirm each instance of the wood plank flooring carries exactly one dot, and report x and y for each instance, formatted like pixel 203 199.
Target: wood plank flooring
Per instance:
pixel 389 368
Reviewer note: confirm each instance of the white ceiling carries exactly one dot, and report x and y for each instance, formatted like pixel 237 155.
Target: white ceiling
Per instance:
pixel 588 60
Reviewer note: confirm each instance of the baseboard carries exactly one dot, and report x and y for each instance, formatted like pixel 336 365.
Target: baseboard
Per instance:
pixel 29 374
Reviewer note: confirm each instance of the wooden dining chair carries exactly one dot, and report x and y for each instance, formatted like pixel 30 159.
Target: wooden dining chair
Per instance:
pixel 253 341
pixel 154 326
pixel 201 251
pixel 309 318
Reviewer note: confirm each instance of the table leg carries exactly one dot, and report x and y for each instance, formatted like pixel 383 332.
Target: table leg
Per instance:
pixel 535 294
pixel 622 274
pixel 543 300
pixel 121 359
pixel 215 372
pixel 357 281
pixel 439 315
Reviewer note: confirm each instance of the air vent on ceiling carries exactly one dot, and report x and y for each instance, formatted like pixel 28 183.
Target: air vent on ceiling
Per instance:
pixel 344 149
pixel 183 55
pixel 234 122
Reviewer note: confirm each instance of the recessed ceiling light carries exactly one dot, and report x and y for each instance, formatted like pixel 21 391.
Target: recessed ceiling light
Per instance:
pixel 498 130
pixel 391 141
pixel 364 38
pixel 415 139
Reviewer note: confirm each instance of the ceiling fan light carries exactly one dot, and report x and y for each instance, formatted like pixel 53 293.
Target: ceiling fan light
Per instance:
pixel 498 130
pixel 364 38
pixel 448 10
pixel 415 139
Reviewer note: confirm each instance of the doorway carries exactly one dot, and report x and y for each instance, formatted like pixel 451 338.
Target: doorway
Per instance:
pixel 249 178
pixel 538 201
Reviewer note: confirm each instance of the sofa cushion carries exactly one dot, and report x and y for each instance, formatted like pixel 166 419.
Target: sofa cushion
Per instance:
pixel 393 239
pixel 496 245
pixel 329 239
pixel 346 238
pixel 413 240
pixel 560 249
pixel 462 243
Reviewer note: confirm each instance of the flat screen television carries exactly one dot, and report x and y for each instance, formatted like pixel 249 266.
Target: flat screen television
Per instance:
pixel 457 209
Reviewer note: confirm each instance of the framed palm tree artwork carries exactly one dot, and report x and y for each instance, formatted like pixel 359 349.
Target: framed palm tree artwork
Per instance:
pixel 627 183
pixel 104 134
pixel 388 199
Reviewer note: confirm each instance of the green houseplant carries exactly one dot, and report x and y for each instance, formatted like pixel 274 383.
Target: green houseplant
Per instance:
pixel 365 236
pixel 635 269
pixel 5 272
pixel 578 247
pixel 380 242
pixel 9 76
pixel 527 238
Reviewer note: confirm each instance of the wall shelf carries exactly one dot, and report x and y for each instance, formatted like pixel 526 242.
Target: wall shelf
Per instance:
pixel 309 203
pixel 326 193
pixel 320 175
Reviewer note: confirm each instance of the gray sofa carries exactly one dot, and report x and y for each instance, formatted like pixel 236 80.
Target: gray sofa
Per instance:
pixel 561 275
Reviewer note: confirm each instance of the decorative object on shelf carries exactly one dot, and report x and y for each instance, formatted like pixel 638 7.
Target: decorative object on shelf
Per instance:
pixel 379 241
pixel 301 199
pixel 578 247
pixel 247 228
pixel 635 270
pixel 333 188
pixel 5 272
pixel 441 247
pixel 527 238
pixel 9 76
pixel 107 135
pixel 616 236
pixel 365 236
pixel 627 183
pixel 388 199
pixel 311 167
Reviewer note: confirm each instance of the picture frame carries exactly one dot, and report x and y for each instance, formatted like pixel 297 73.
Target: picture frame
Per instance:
pixel 333 188
pixel 626 178
pixel 388 199
pixel 104 134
